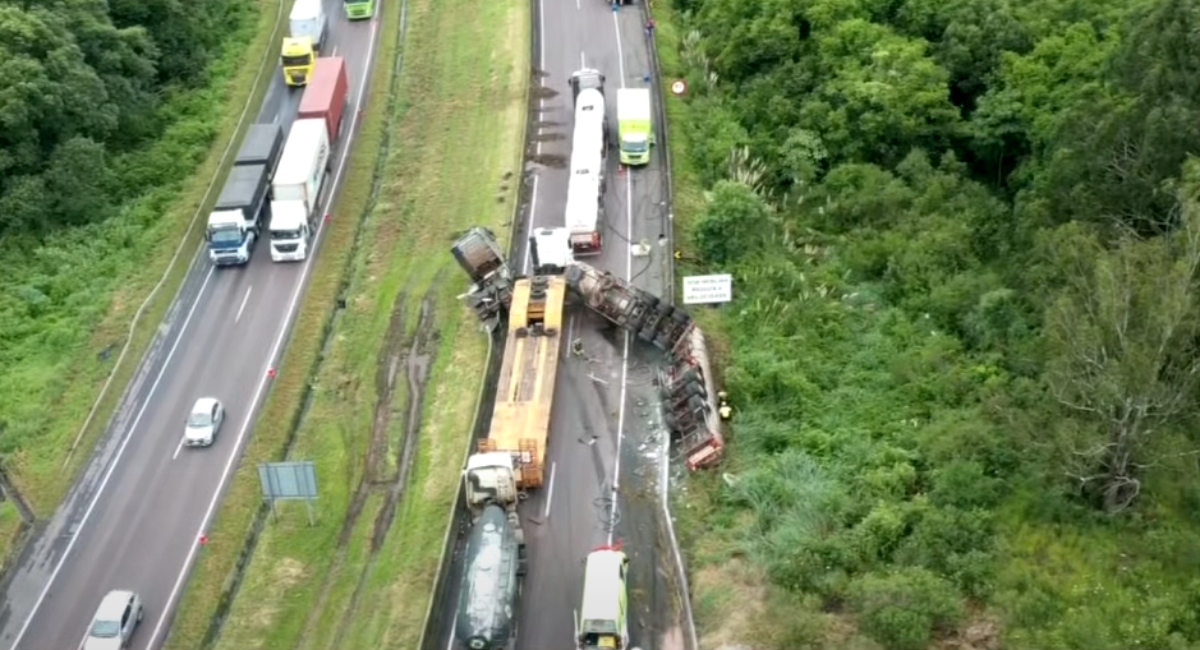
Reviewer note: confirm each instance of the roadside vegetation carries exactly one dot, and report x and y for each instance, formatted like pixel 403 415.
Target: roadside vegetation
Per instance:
pixel 115 120
pixel 379 394
pixel 965 238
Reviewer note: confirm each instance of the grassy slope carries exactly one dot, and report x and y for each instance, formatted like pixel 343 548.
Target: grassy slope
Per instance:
pixel 74 374
pixel 455 134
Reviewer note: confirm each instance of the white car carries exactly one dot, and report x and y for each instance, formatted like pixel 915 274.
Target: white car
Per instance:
pixel 204 422
pixel 114 622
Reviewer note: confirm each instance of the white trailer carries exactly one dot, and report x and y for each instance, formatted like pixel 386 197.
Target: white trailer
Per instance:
pixel 308 20
pixel 585 189
pixel 304 165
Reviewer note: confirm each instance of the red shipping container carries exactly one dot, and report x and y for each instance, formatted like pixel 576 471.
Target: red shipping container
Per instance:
pixel 326 94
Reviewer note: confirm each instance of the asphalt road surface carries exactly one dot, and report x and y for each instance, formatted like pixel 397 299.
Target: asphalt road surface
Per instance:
pixel 134 519
pixel 606 444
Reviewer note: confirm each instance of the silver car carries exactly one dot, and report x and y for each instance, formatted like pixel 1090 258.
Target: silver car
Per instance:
pixel 204 422
pixel 114 622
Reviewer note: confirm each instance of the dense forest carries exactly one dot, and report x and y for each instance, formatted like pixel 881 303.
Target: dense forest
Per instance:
pixel 965 237
pixel 106 106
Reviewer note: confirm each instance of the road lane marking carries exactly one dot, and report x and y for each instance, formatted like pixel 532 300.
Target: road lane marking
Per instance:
pixel 178 448
pixel 541 108
pixel 283 332
pixel 112 466
pixel 582 61
pixel 616 482
pixel 243 307
pixel 550 491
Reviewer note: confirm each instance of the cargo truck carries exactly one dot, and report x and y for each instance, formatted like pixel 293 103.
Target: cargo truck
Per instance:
pixel 495 558
pixel 359 9
pixel 635 128
pixel 307 26
pixel 262 146
pixel 296 189
pixel 325 97
pixel 585 185
pixel 236 219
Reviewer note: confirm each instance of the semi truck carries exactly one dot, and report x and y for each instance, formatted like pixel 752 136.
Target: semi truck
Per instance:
pixel 262 146
pixel 635 128
pixel 359 9
pixel 495 559
pixel 325 97
pixel 307 27
pixel 296 189
pixel 236 219
pixel 585 186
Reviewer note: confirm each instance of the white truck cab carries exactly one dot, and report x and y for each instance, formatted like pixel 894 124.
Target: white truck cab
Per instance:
pixel 291 234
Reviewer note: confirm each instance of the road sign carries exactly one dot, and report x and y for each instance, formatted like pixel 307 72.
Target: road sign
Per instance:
pixel 707 289
pixel 289 482
pixel 679 87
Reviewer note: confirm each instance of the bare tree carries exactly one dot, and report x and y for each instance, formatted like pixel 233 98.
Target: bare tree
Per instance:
pixel 1125 332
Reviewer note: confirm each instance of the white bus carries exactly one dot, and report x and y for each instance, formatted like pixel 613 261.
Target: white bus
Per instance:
pixel 601 622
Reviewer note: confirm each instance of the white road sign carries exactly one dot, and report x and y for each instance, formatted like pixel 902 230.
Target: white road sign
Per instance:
pixel 679 87
pixel 707 289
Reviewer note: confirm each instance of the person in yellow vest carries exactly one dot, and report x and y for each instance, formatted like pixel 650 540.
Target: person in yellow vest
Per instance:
pixel 723 408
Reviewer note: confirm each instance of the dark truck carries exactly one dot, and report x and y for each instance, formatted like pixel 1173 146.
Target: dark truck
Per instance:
pixel 237 218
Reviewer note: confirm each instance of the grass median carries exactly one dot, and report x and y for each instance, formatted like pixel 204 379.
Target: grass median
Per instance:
pixel 380 394
pixel 208 119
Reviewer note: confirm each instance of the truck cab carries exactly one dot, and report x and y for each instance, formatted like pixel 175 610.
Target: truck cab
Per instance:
pixel 291 234
pixel 359 9
pixel 298 58
pixel 490 478
pixel 229 240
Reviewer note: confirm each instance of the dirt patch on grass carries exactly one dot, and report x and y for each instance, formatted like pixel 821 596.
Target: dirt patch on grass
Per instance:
pixel 413 354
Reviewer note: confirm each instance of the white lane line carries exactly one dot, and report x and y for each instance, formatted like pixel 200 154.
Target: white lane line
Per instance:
pixel 582 61
pixel 283 332
pixel 243 307
pixel 178 448
pixel 550 491
pixel 616 483
pixel 541 107
pixel 112 466
pixel 571 329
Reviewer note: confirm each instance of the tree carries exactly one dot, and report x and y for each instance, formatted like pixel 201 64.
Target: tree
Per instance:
pixel 1125 331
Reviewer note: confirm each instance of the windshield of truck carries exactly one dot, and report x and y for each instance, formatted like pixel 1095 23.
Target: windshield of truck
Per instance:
pixel 636 146
pixel 279 235
pixel 226 236
pixel 297 61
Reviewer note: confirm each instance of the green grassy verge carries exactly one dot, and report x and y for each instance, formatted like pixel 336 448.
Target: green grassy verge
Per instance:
pixel 45 467
pixel 448 147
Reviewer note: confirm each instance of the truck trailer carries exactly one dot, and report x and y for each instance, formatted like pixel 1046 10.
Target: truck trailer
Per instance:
pixel 235 222
pixel 589 146
pixel 296 189
pixel 307 26
pixel 635 128
pixel 495 558
pixel 262 146
pixel 326 94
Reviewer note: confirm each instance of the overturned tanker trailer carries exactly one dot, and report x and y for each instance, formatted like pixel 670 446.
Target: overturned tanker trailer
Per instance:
pixel 491 582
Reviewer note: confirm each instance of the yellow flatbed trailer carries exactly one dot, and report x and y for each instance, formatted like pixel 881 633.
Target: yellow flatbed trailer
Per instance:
pixel 525 390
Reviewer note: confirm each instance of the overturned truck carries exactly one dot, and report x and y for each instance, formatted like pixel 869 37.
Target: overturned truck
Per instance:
pixel 686 383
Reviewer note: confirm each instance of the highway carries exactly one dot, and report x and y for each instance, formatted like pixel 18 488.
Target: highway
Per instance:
pixel 134 518
pixel 605 435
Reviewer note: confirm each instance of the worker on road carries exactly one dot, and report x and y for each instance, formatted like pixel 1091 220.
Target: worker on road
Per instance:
pixel 650 27
pixel 723 408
